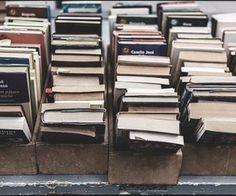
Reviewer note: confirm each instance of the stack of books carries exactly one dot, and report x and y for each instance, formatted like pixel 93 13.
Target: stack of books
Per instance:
pixel 136 14
pixel 175 16
pixel 205 84
pixel 77 113
pixel 224 27
pixel 24 62
pixel 145 106
pixel 137 40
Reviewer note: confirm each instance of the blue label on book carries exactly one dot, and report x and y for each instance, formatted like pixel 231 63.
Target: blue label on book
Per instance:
pixel 82 7
pixel 12 60
pixel 142 49
pixel 13 88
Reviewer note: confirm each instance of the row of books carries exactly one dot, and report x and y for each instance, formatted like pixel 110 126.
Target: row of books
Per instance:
pixel 145 106
pixel 24 59
pixel 76 111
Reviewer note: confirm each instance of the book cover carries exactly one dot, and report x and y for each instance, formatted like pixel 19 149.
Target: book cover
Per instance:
pixel 78 28
pixel 13 88
pixel 81 7
pixel 127 19
pixel 141 49
pixel 28 11
pixel 173 21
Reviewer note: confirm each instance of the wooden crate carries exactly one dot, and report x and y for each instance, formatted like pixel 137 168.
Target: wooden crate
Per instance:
pixel 144 168
pixel 208 160
pixel 62 158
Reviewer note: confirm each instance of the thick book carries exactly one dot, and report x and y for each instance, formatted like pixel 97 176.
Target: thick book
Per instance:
pixel 15 89
pixel 14 130
pixel 178 6
pixel 81 6
pixel 62 115
pixel 141 48
pixel 11 111
pixel 124 8
pixel 216 132
pixel 79 24
pixel 143 141
pixel 185 21
pixel 39 11
pixel 73 134
pixel 136 19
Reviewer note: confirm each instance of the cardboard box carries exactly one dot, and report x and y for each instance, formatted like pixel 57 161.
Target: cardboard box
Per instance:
pixel 142 168
pixel 208 160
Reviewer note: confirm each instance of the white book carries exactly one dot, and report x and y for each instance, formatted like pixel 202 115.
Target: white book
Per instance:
pixel 157 137
pixel 15 128
pixel 140 79
pixel 126 85
pixel 148 125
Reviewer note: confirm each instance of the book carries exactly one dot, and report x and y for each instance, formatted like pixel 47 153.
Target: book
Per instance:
pixel 78 24
pixel 23 36
pixel 185 21
pixel 136 19
pixel 216 132
pixel 15 89
pixel 81 6
pixel 124 8
pixel 17 132
pixel 11 111
pixel 134 134
pixel 73 116
pixel 221 22
pixel 72 135
pixel 39 11
pixel 201 56
pixel 153 142
pixel 181 6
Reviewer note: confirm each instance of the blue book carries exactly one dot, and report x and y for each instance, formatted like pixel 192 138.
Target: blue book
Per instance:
pixel 79 7
pixel 14 60
pixel 142 49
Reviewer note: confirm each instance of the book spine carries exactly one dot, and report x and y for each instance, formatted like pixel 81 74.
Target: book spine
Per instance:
pixel 75 64
pixel 141 49
pixel 13 88
pixel 73 28
pixel 185 22
pixel 12 60
pixel 17 136
pixel 27 12
pixel 135 20
pixel 82 6
pixel 213 26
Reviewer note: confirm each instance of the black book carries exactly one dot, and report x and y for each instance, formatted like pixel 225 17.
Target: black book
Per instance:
pixel 14 130
pixel 136 19
pixel 232 61
pixel 78 24
pixel 185 21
